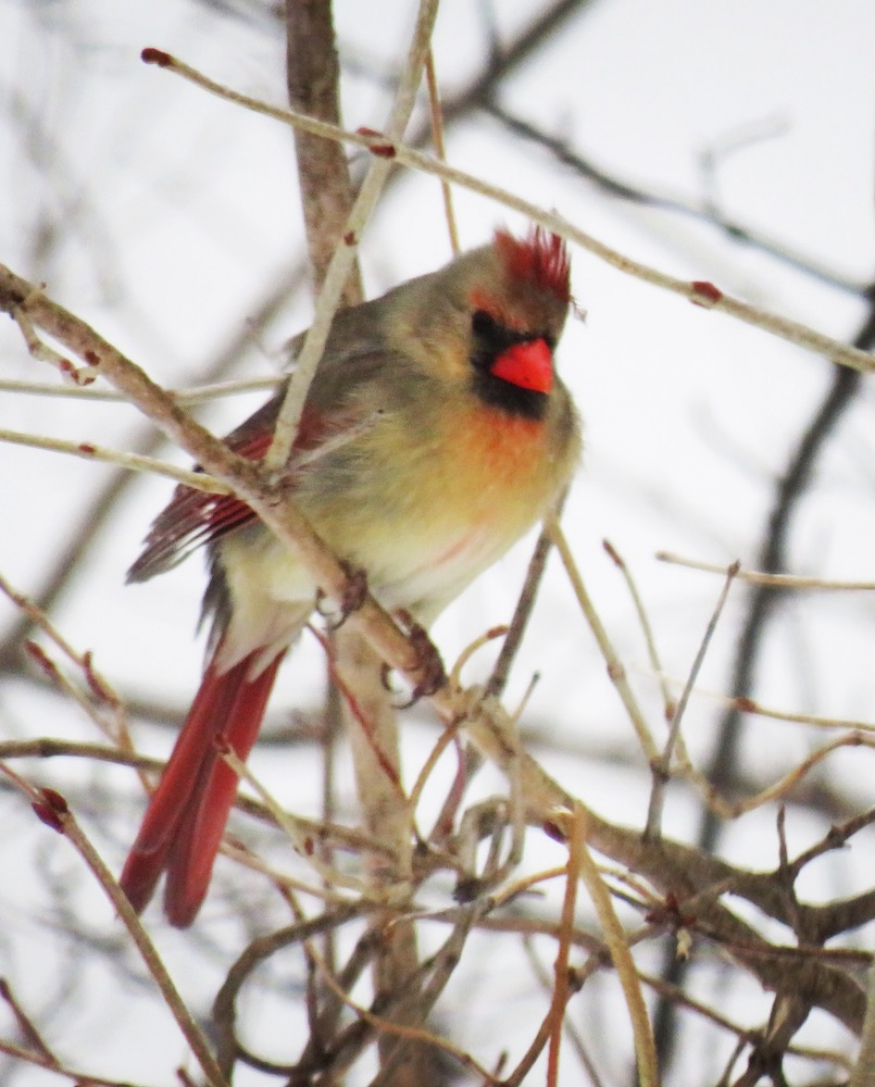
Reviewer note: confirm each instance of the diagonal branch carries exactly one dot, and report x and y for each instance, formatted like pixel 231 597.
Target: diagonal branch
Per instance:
pixel 699 292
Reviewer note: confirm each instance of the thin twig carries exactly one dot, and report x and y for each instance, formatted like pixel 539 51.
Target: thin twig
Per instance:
pixel 646 628
pixel 752 706
pixel 645 1050
pixel 42 352
pixel 199 394
pixel 26 1027
pixel 707 212
pixel 524 608
pixel 561 982
pixel 616 669
pixel 701 293
pixel 77 1076
pixel 437 134
pixel 133 462
pixel 732 810
pixel 661 768
pixel 774 581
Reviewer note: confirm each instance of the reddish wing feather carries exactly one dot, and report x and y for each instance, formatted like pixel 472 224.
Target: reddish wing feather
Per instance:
pixel 194 517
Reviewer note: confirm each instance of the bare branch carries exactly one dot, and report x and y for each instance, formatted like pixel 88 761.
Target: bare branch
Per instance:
pixel 699 292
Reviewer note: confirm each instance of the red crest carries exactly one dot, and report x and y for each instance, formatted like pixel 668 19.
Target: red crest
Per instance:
pixel 541 259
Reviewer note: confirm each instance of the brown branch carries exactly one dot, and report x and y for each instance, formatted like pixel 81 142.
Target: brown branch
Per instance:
pixel 26 1027
pixel 323 172
pixel 256 953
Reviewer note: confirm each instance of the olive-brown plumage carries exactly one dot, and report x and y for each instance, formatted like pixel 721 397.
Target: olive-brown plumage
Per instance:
pixel 435 433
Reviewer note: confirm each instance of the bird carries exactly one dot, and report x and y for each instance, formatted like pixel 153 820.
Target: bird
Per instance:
pixel 434 434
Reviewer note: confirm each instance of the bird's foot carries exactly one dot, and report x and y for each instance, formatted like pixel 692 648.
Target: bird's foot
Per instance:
pixel 429 666
pixel 355 590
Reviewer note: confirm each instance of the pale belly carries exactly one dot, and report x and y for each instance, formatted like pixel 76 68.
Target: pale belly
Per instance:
pixel 414 569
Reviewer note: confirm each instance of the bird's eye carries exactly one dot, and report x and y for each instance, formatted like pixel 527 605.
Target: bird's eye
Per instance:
pixel 482 323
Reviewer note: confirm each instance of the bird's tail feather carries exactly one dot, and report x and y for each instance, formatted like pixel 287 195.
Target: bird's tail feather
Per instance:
pixel 183 826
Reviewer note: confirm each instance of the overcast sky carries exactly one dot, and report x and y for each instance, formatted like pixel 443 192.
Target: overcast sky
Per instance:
pixel 166 217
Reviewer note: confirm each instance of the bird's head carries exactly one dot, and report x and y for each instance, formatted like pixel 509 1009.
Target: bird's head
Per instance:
pixel 492 318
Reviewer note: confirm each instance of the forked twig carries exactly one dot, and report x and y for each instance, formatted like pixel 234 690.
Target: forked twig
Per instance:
pixel 774 581
pixel 297 833
pixel 661 767
pixel 27 1028
pixel 758 709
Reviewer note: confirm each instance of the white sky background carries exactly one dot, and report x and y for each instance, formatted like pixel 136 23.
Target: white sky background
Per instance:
pixel 173 214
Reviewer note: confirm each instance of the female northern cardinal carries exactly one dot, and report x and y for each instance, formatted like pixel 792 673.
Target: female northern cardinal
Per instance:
pixel 434 434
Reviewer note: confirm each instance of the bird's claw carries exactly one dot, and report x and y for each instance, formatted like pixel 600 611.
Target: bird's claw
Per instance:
pixel 429 665
pixel 386 678
pixel 355 590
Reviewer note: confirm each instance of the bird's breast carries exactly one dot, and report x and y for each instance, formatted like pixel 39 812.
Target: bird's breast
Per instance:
pixel 422 505
pixel 476 481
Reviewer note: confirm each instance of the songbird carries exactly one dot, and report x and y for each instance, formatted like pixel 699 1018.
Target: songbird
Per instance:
pixel 435 433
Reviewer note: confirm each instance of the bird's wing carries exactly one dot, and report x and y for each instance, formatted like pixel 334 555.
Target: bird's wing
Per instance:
pixel 193 517
pixel 334 413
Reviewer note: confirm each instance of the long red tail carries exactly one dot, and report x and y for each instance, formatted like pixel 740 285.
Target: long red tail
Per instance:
pixel 183 825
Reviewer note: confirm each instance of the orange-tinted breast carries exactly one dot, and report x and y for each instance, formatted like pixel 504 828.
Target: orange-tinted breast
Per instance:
pixel 496 457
